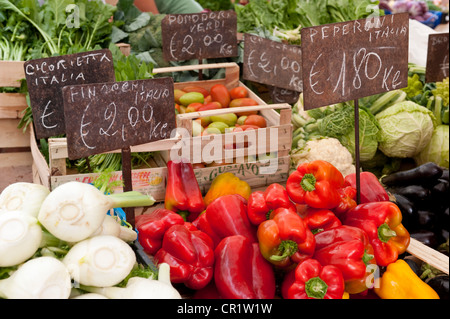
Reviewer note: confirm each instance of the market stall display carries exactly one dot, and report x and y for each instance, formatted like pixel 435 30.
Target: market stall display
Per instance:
pixel 247 198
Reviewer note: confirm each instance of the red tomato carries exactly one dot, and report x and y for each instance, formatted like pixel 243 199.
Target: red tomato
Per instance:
pixel 219 93
pixel 240 128
pixel 238 93
pixel 256 120
pixel 210 106
pixel 194 107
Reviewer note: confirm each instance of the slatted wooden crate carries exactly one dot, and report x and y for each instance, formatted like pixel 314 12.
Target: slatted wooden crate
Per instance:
pixel 153 180
pixel 15 154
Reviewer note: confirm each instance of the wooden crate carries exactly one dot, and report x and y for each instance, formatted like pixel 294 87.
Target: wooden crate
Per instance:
pixel 153 180
pixel 15 153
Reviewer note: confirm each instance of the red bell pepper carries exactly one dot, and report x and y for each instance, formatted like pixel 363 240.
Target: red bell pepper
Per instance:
pixel 315 184
pixel 261 204
pixel 347 248
pixel 313 281
pixel 183 194
pixel 284 239
pixel 152 227
pixel 371 188
pixel 209 292
pixel 319 220
pixel 348 201
pixel 226 216
pixel 190 255
pixel 241 272
pixel 382 222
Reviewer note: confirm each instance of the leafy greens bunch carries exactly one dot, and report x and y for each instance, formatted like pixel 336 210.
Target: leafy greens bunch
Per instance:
pixel 286 17
pixel 58 27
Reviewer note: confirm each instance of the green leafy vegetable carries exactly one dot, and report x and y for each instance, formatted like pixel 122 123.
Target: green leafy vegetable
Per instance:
pixel 437 150
pixel 415 86
pixel 406 128
pixel 338 121
pixel 289 15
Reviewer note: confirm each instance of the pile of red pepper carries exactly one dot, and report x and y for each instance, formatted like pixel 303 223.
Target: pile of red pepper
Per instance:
pixel 313 233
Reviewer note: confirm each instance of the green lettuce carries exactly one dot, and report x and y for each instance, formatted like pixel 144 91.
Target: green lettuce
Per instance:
pixel 437 150
pixel 406 128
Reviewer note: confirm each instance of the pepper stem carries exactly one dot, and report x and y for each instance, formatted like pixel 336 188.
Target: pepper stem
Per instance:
pixel 268 214
pixel 184 214
pixel 287 248
pixel 308 182
pixel 367 258
pixel 385 233
pixel 316 288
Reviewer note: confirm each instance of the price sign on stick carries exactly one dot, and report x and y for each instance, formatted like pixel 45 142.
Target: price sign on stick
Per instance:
pixel 350 60
pixel 105 117
pixel 272 63
pixel 199 36
pixel 46 77
pixel 437 58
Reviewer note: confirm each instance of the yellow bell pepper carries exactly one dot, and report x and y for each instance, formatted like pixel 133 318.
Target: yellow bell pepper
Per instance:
pixel 400 282
pixel 227 184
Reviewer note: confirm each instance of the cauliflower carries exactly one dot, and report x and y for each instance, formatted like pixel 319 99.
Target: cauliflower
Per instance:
pixel 326 149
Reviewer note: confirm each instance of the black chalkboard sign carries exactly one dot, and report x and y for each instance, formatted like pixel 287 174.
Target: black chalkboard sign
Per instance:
pixel 349 60
pixel 437 58
pixel 272 63
pixel 199 35
pixel 279 95
pixel 46 77
pixel 105 117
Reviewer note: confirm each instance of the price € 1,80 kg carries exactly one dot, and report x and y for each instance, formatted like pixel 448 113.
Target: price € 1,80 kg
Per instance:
pixel 365 66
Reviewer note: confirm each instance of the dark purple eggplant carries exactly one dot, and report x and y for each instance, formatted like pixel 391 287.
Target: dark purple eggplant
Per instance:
pixel 426 237
pixel 413 265
pixel 445 175
pixel 415 193
pixel 440 284
pixel 409 211
pixel 419 175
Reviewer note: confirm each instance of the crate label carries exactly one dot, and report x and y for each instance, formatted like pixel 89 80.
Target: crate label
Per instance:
pixel 272 63
pixel 243 171
pixel 437 58
pixel 46 77
pixel 149 179
pixel 350 60
pixel 104 117
pixel 203 35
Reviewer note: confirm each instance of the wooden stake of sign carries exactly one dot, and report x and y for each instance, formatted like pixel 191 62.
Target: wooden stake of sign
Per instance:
pixel 127 182
pixel 357 154
pixel 351 60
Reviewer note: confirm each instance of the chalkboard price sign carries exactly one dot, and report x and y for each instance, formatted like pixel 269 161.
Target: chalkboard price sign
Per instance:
pixel 349 60
pixel 199 35
pixel 437 59
pixel 279 95
pixel 105 117
pixel 46 77
pixel 272 63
